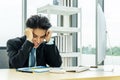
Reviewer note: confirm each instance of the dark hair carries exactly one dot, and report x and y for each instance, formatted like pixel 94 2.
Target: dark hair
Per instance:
pixel 36 21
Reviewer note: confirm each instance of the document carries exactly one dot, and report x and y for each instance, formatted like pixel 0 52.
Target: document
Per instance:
pixel 39 69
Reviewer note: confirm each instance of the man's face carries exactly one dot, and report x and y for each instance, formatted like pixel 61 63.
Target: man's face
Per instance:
pixel 38 36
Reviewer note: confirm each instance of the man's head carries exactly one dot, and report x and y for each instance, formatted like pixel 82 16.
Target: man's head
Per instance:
pixel 39 26
pixel 40 22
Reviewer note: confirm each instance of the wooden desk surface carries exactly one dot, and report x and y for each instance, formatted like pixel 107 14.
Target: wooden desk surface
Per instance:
pixel 12 74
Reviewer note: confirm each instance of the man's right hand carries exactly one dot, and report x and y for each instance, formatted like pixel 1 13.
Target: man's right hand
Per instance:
pixel 29 34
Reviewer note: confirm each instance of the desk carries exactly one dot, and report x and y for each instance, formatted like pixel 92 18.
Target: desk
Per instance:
pixel 12 74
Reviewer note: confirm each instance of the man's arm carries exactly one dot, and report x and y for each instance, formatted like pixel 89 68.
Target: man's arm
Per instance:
pixel 18 56
pixel 52 55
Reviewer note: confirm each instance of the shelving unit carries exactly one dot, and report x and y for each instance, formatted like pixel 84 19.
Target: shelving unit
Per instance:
pixel 66 29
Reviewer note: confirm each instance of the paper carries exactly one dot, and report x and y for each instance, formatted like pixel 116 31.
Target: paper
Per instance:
pixel 76 69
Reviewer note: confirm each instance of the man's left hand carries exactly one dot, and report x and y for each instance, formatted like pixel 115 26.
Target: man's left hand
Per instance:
pixel 48 35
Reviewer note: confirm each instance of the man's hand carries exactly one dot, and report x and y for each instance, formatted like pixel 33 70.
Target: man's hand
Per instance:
pixel 29 34
pixel 48 35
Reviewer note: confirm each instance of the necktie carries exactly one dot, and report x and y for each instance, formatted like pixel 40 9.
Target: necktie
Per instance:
pixel 32 58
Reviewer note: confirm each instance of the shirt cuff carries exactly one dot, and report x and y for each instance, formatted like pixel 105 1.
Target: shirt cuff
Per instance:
pixel 50 42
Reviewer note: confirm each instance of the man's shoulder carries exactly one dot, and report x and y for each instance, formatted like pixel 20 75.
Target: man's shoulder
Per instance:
pixel 16 40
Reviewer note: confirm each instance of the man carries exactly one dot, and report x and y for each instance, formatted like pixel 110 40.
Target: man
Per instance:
pixel 36 48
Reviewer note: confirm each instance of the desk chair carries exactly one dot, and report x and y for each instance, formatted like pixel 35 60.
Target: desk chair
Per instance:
pixel 3 58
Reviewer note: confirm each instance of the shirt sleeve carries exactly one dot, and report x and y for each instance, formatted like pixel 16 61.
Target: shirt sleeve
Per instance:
pixel 50 42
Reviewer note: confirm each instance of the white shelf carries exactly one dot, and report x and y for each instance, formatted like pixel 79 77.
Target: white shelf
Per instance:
pixel 71 54
pixel 65 29
pixel 61 10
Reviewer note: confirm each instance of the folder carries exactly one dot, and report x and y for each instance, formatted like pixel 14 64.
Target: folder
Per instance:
pixel 36 69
